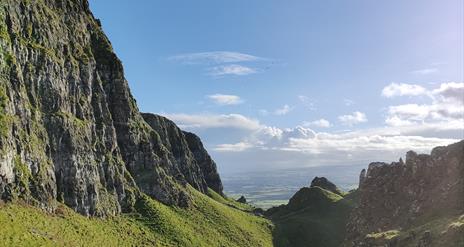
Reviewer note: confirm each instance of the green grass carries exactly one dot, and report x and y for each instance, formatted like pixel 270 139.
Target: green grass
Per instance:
pixel 229 201
pixel 314 217
pixel 445 231
pixel 207 223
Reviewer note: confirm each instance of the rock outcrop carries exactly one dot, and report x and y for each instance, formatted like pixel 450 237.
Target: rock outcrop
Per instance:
pixel 192 159
pixel 206 163
pixel 325 184
pixel 242 199
pixel 70 130
pixel 399 195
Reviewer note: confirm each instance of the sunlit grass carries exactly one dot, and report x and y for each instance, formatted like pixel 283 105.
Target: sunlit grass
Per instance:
pixel 207 223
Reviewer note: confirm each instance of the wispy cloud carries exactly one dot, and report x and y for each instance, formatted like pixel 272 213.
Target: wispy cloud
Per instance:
pixel 353 119
pixel 235 147
pixel 284 110
pixel 231 69
pixel 402 89
pixel 426 71
pixel 208 121
pixel 321 123
pixel 348 102
pixel 225 99
pixel 307 102
pixel 214 57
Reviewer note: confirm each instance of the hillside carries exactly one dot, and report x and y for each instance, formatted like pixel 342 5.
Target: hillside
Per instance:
pixel 80 165
pixel 314 216
pixel 151 224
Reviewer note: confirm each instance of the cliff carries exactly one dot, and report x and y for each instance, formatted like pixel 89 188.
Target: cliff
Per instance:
pixel 188 152
pixel 406 202
pixel 70 130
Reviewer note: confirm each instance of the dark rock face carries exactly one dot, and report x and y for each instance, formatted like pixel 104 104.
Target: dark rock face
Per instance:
pixel 192 159
pixel 325 184
pixel 242 199
pixel 70 130
pixel 393 196
pixel 205 162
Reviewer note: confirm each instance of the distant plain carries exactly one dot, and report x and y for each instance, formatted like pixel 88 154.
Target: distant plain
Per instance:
pixel 266 189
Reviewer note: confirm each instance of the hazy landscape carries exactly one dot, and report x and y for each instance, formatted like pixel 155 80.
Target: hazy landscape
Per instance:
pixel 272 188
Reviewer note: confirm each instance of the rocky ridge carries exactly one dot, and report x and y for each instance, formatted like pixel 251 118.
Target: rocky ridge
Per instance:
pixel 70 130
pixel 402 195
pixel 324 183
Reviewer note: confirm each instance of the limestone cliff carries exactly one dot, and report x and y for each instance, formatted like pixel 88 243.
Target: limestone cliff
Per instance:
pixel 70 130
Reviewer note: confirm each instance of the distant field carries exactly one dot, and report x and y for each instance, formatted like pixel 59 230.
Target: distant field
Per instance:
pixel 266 189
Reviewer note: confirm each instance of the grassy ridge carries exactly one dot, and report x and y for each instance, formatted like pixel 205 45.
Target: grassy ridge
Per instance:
pixel 314 217
pixel 207 223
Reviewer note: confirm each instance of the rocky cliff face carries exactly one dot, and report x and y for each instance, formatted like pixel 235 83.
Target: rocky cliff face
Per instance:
pixel 399 195
pixel 192 159
pixel 70 130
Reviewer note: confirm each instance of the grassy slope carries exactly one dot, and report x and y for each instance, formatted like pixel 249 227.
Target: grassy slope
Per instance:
pixel 319 223
pixel 208 223
pixel 230 202
pixel 445 231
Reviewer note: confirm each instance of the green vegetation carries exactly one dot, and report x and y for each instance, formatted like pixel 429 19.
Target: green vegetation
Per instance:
pixel 75 121
pixel 442 231
pixel 4 119
pixel 207 223
pixel 313 217
pixel 229 201
pixel 384 235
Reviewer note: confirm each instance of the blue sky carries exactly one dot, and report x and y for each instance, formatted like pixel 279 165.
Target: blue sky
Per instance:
pixel 279 84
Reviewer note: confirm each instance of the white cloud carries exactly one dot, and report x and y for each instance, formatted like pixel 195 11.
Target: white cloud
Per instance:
pixel 410 111
pixel 353 119
pixel 283 110
pixel 225 99
pixel 450 92
pixel 207 121
pixel 244 143
pixel 321 123
pixel 447 105
pixel 397 121
pixel 328 143
pixel 303 146
pixel 231 69
pixel 402 89
pixel 427 71
pixel 214 57
pixel 236 147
